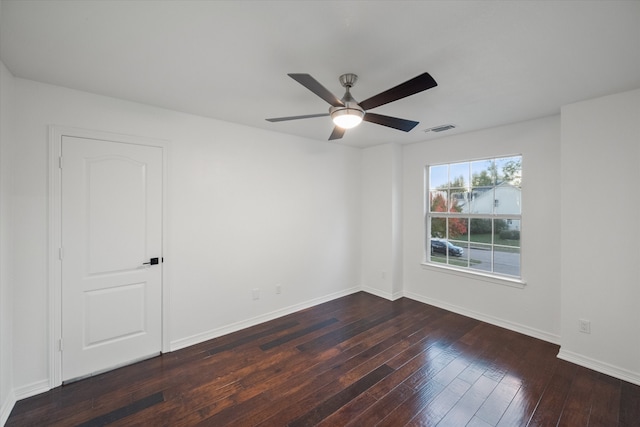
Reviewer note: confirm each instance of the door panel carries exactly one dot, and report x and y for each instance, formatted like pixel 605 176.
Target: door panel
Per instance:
pixel 116 191
pixel 128 301
pixel 111 225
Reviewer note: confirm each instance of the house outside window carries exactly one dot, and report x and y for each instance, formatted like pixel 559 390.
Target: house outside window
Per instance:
pixel 474 216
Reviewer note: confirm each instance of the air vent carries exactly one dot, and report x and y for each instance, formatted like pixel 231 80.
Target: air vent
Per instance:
pixel 440 128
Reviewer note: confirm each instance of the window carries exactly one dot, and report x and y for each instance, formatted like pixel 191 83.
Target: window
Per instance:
pixel 473 217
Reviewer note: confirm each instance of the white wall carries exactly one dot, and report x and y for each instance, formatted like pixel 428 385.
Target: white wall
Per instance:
pixel 382 221
pixel 7 397
pixel 397 225
pixel 247 209
pixel 601 233
pixel 533 309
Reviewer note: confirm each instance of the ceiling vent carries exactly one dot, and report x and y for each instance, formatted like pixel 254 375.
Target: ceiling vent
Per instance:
pixel 440 128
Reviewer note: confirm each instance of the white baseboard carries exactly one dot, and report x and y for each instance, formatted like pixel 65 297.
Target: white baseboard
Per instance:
pixel 526 330
pixel 234 327
pixel 596 365
pixel 382 294
pixel 7 407
pixel 32 389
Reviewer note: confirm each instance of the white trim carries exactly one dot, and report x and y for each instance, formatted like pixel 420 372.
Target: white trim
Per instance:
pixel 54 238
pixel 31 389
pixel 227 329
pixel 475 275
pixel 517 327
pixel 596 365
pixel 7 407
pixel 54 265
pixel 382 294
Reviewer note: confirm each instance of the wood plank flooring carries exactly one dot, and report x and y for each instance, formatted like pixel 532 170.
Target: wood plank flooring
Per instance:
pixel 355 361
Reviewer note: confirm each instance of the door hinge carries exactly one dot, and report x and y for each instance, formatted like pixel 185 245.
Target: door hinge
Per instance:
pixel 60 254
pixel 60 347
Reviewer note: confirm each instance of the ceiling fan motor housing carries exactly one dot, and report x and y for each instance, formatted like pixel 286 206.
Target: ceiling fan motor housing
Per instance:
pixel 348 80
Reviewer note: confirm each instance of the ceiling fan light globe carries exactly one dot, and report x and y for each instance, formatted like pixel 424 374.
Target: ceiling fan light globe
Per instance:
pixel 347 121
pixel 346 117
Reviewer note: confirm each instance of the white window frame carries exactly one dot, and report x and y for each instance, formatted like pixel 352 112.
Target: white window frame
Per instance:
pixel 468 271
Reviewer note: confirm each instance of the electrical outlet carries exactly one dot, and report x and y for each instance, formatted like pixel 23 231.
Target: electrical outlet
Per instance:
pixel 278 288
pixel 584 326
pixel 255 293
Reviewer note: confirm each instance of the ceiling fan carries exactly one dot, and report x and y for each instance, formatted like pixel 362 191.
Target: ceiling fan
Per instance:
pixel 347 113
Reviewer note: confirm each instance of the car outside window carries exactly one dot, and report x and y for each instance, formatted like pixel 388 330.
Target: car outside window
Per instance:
pixel 474 215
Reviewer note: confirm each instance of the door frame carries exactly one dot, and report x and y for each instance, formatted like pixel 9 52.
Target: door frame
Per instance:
pixel 56 133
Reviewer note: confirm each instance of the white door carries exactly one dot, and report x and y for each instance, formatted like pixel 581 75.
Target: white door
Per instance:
pixel 111 227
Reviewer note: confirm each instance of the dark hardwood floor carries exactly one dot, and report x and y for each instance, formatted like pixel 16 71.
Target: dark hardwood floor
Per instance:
pixel 357 361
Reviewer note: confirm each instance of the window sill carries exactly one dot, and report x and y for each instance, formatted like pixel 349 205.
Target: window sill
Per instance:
pixel 476 275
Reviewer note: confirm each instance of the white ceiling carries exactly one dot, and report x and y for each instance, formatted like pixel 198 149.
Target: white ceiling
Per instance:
pixel 495 62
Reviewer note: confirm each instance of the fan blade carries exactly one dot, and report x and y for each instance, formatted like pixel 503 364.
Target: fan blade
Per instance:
pixel 337 133
pixel 312 84
pixel 410 87
pixel 308 116
pixel 392 122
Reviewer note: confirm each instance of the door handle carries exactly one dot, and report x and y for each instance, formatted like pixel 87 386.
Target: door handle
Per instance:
pixel 152 261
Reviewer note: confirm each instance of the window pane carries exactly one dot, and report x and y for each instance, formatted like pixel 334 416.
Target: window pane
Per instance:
pixel 480 257
pixel 438 201
pixel 480 231
pixel 483 173
pixel 458 228
pixel 439 227
pixel 506 261
pixel 438 176
pixel 482 200
pixel 438 257
pixel 458 202
pixel 507 199
pixel 459 175
pixel 438 249
pixel 509 170
pixel 507 232
pixel 459 253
